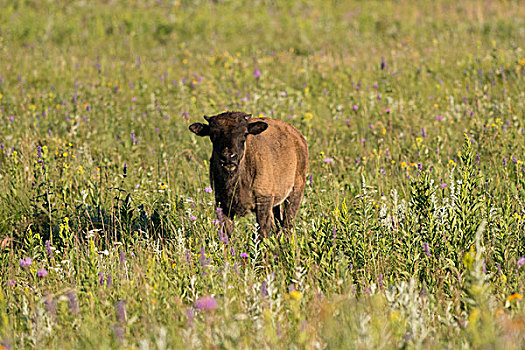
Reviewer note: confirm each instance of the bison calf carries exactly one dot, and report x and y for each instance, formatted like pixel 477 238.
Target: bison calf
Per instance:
pixel 257 165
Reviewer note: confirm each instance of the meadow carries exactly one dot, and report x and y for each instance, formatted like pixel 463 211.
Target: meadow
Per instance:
pixel 411 231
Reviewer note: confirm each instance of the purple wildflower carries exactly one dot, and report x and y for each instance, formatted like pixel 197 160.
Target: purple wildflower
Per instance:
pixel 427 249
pixel 223 237
pixel 220 214
pixel 11 283
pixel 48 248
pixel 120 310
pixel 39 154
pixel 311 179
pixel 264 289
pixel 206 303
pixel 328 160
pixel 122 257
pixel 207 189
pixel 521 262
pixel 202 259
pixel 193 218
pixel 188 257
pixel 423 133
pixel 101 278
pixel 504 161
pixel 42 272
pixel 190 315
pixel 355 108
pixel 26 262
pixel 73 302
pixel 256 73
pixel 514 160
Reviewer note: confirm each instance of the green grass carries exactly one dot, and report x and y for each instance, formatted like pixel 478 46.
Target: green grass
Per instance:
pixel 412 227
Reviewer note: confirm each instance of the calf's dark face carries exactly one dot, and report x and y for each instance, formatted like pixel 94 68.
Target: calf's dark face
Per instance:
pixel 229 141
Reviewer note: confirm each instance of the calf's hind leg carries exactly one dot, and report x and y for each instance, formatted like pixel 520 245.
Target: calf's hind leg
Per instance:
pixel 278 216
pixel 291 207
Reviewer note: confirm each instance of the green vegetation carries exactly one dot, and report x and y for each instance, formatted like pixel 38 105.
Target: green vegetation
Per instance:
pixel 411 232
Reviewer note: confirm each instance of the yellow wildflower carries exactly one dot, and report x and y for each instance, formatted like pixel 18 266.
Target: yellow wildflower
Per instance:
pixel 474 316
pixel 514 296
pixel 296 295
pixel 403 165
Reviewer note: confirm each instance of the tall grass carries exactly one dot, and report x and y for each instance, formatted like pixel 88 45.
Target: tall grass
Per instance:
pixel 411 232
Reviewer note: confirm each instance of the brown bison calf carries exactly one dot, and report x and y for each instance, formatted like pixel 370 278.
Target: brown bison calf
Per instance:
pixel 257 165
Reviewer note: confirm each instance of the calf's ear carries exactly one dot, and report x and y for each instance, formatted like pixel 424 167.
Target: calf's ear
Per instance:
pixel 200 129
pixel 257 128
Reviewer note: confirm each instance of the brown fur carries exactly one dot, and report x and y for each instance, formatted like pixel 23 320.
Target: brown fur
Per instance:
pixel 270 175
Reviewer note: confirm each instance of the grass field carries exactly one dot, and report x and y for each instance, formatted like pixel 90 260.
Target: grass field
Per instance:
pixel 411 233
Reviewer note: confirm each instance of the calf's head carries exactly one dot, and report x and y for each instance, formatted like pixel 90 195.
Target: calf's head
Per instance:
pixel 228 132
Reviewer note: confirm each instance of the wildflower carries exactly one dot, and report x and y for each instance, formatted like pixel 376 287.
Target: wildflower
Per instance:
pixel 264 289
pixel 256 73
pixel 220 214
pixel 328 160
pixel 504 161
pixel 355 108
pixel 42 272
pixel 206 303
pixel 423 133
pixel 73 302
pixel 122 257
pixel 101 278
pixel 26 262
pixel 375 86
pixel 50 305
pixel 11 283
pixel 514 296
pixel 190 315
pixel 202 259
pixel 120 310
pixel 427 249
pixel 363 140
pixel 244 255
pixel 521 262
pixel 39 154
pixel 295 295
pixel 49 249
pixel 223 237
pixel 311 179
pixel 207 189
